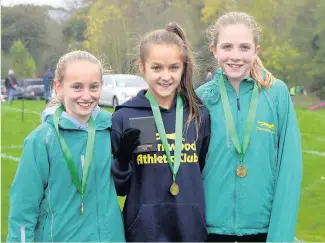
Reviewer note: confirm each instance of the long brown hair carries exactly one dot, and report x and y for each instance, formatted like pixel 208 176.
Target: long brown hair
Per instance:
pixel 213 31
pixel 173 34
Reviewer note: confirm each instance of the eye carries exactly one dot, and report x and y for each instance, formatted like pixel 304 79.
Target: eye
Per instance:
pixel 174 68
pixel 76 87
pixel 156 68
pixel 245 47
pixel 94 87
pixel 226 47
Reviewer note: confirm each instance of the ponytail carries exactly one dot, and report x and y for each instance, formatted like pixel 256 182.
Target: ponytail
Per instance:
pixel 258 71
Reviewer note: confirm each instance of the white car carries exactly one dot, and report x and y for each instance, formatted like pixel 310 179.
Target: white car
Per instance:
pixel 118 88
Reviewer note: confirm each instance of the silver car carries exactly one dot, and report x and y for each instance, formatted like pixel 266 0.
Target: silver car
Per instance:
pixel 118 88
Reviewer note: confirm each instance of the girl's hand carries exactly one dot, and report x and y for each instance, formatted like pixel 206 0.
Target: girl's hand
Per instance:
pixel 128 142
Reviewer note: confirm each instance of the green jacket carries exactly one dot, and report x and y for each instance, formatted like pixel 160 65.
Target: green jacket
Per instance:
pixel 267 199
pixel 43 198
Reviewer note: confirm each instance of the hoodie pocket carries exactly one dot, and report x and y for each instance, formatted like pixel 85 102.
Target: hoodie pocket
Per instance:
pixel 168 222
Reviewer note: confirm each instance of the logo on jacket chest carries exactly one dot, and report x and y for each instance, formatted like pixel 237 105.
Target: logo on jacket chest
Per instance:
pixel 264 126
pixel 188 154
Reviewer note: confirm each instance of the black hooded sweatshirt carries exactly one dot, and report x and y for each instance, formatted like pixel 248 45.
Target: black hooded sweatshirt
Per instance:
pixel 150 212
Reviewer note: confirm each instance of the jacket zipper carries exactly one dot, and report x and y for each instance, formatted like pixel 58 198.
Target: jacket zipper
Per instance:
pixel 235 191
pixel 98 222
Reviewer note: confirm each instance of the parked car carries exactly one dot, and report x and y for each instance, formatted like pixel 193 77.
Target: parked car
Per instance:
pixel 3 89
pixel 30 81
pixel 18 92
pixel 29 88
pixel 33 88
pixel 118 88
pixel 34 92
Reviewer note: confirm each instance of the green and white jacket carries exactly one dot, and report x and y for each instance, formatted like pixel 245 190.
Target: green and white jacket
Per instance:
pixel 267 199
pixel 44 202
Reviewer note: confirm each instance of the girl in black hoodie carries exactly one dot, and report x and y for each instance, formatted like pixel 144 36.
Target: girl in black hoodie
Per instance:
pixel 162 180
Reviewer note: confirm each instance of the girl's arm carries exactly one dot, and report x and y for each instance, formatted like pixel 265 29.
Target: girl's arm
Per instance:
pixel 289 172
pixel 27 190
pixel 121 172
pixel 205 132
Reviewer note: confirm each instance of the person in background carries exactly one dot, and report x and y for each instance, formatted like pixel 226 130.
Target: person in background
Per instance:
pixel 10 84
pixel 47 80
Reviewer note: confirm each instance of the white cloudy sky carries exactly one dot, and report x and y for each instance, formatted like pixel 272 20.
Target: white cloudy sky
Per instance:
pixel 54 3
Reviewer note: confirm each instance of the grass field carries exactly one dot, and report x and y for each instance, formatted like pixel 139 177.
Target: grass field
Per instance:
pixel 311 221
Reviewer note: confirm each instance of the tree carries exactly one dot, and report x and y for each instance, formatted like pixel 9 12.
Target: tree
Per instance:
pixel 316 70
pixel 106 34
pixel 6 63
pixel 277 51
pixel 74 30
pixel 41 35
pixel 22 62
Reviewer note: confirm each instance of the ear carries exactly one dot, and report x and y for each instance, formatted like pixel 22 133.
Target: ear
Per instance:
pixel 140 67
pixel 213 49
pixel 57 87
pixel 257 50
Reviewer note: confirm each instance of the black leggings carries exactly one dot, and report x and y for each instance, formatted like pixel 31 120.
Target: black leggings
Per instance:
pixel 233 238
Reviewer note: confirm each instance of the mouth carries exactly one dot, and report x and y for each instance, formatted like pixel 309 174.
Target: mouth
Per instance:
pixel 84 105
pixel 235 66
pixel 165 85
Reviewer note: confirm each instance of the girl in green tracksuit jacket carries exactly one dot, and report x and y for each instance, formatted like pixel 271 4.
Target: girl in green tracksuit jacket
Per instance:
pixel 63 190
pixel 253 171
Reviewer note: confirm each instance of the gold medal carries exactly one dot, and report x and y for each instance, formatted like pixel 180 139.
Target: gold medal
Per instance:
pixel 241 171
pixel 174 189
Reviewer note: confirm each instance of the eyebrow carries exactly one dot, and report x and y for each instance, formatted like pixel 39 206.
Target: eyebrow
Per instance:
pixel 227 43
pixel 176 63
pixel 81 83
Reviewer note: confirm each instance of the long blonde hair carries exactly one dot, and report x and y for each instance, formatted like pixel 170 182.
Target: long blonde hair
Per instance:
pixel 258 72
pixel 62 65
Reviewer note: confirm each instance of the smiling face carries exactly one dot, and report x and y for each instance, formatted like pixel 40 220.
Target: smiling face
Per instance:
pixel 235 51
pixel 80 88
pixel 162 70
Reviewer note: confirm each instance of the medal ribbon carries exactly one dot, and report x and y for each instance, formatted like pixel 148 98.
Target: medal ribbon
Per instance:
pixel 230 122
pixel 173 165
pixel 81 186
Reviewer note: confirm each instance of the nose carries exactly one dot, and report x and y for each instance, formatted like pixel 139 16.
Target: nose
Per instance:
pixel 235 55
pixel 165 75
pixel 86 95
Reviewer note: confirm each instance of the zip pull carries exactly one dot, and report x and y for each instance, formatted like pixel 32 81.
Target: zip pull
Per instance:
pixel 22 234
pixel 238 104
pixel 82 208
pixel 82 159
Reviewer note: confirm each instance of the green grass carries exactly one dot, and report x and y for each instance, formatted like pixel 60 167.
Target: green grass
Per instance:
pixel 311 220
pixel 305 100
